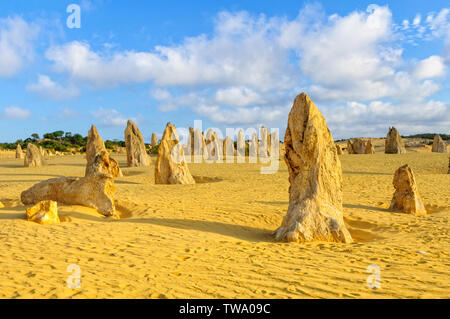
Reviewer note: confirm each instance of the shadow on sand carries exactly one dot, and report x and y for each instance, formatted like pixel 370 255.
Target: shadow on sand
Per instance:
pixel 366 173
pixel 380 209
pixel 44 175
pixel 240 232
pixel 273 203
pixel 13 216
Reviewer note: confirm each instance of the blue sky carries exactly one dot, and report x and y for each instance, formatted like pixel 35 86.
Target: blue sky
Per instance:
pixel 367 65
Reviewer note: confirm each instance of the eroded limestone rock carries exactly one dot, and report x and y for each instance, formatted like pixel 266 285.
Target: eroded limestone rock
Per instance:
pixel 154 141
pixel 369 148
pixel 394 143
pixel 103 164
pixel 171 167
pixel 339 149
pixel 228 150
pixel 98 159
pixel 136 151
pixel 315 176
pixel 92 191
pixel 19 152
pixel 439 145
pixel 44 213
pixel 406 197
pixel 33 157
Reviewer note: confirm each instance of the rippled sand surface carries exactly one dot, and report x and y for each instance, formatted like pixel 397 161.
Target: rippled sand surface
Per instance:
pixel 213 239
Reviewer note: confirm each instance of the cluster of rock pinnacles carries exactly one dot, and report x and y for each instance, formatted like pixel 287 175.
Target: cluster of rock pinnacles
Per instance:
pixel 315 211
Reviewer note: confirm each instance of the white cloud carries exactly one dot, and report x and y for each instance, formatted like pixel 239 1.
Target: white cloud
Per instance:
pixel 251 115
pixel 238 96
pixel 15 113
pixel 110 117
pixel 16 37
pixel 241 52
pixel 430 68
pixel 251 67
pixel 49 89
pixel 372 119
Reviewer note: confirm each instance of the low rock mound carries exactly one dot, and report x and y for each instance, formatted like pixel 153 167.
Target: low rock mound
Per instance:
pixel 92 191
pixel 44 213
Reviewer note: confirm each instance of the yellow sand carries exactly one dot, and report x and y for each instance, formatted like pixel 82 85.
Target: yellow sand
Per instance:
pixel 212 239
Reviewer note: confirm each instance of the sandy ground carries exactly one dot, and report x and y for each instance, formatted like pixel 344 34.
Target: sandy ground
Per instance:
pixel 212 239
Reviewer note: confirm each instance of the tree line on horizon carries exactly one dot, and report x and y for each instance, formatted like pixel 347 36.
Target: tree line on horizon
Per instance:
pixel 61 141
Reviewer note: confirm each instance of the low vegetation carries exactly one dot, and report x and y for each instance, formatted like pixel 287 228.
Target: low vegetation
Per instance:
pixel 59 141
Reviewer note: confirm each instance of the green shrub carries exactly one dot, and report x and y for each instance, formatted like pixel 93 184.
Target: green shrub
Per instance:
pixel 154 150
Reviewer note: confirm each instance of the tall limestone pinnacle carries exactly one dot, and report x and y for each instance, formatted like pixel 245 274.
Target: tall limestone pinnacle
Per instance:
pixel 19 152
pixel 315 176
pixel 171 167
pixel 34 157
pixel 439 145
pixel 406 196
pixel 394 143
pixel 98 159
pixel 134 142
pixel 154 141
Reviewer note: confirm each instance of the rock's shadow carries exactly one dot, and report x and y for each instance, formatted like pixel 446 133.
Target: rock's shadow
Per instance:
pixel 366 173
pixel 127 173
pixel 274 203
pixel 13 216
pixel 380 209
pixel 205 180
pixel 126 182
pixel 240 232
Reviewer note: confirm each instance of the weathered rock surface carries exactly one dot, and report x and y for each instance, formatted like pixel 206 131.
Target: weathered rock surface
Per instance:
pixel 356 146
pixel 264 145
pixel 154 141
pixel 274 145
pixel 369 148
pixel 228 150
pixel 98 159
pixel 439 145
pixel 253 149
pixel 315 176
pixel 171 167
pixel 19 152
pixel 240 147
pixel 214 147
pixel 282 151
pixel 191 142
pixel 44 213
pixel 134 142
pixel 394 143
pixel 94 145
pixel 339 149
pixel 33 157
pixel 199 146
pixel 103 164
pixel 406 197
pixel 92 191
